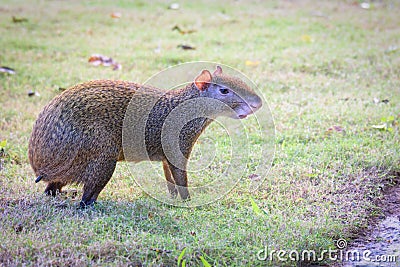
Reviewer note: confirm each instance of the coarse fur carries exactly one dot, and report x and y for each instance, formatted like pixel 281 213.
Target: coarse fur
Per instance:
pixel 77 138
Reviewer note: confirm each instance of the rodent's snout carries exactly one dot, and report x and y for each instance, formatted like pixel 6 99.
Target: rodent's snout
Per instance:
pixel 255 104
pixel 248 108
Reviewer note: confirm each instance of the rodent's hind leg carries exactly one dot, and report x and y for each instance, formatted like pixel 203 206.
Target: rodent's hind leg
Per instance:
pixel 170 180
pixel 53 188
pixel 98 174
pixel 180 177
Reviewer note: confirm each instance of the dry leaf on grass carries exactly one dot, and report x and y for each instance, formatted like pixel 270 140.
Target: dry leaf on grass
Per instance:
pixel 97 60
pixel 365 5
pixel 254 177
pixel 377 100
pixel 33 93
pixel 116 15
pixel 252 63
pixel 160 250
pixel 19 20
pixel 186 47
pixel 179 29
pixel 174 6
pixel 307 38
pixel 335 129
pixel 8 70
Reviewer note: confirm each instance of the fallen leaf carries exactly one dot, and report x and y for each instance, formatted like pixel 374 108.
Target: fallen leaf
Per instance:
pixel 159 250
pixel 174 6
pixel 307 38
pixel 8 70
pixel 377 101
pixel 97 60
pixel 18 228
pixel 186 47
pixel 365 5
pixel 379 126
pixel 33 93
pixel 19 20
pixel 386 124
pixel 252 63
pixel 177 28
pixel 335 128
pixel 116 15
pixel 254 177
pixel 116 66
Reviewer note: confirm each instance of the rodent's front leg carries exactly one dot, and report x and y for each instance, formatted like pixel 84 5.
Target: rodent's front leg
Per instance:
pixel 98 173
pixel 180 177
pixel 54 188
pixel 170 180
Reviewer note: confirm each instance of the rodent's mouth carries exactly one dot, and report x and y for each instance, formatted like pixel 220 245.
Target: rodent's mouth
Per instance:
pixel 243 110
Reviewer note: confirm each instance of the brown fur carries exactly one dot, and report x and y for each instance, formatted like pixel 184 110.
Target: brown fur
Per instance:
pixel 77 138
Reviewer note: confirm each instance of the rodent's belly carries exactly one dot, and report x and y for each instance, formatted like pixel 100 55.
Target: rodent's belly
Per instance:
pixel 132 157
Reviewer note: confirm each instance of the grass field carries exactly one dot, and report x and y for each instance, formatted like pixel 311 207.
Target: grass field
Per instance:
pixel 329 70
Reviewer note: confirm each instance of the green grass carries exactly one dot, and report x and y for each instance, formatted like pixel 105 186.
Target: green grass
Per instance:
pixel 321 64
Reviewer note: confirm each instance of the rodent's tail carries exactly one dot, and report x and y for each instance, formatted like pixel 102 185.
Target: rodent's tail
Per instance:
pixel 39 178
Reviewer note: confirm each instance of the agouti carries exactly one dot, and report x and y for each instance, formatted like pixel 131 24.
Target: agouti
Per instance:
pixel 77 138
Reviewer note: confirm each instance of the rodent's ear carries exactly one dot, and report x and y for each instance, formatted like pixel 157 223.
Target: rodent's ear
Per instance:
pixel 202 80
pixel 218 71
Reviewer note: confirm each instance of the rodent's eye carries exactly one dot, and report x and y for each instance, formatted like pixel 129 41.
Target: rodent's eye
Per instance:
pixel 224 91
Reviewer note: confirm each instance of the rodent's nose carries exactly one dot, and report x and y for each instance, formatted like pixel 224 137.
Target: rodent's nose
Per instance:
pixel 256 104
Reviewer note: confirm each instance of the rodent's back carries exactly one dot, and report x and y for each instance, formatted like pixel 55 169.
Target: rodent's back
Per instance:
pixel 84 120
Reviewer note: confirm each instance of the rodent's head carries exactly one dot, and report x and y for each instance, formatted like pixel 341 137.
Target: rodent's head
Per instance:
pixel 231 91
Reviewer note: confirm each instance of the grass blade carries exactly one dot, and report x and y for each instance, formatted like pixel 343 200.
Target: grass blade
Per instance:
pixel 255 207
pixel 3 144
pixel 204 261
pixel 180 258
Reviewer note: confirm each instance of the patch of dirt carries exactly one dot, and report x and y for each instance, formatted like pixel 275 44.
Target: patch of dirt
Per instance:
pixel 379 245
